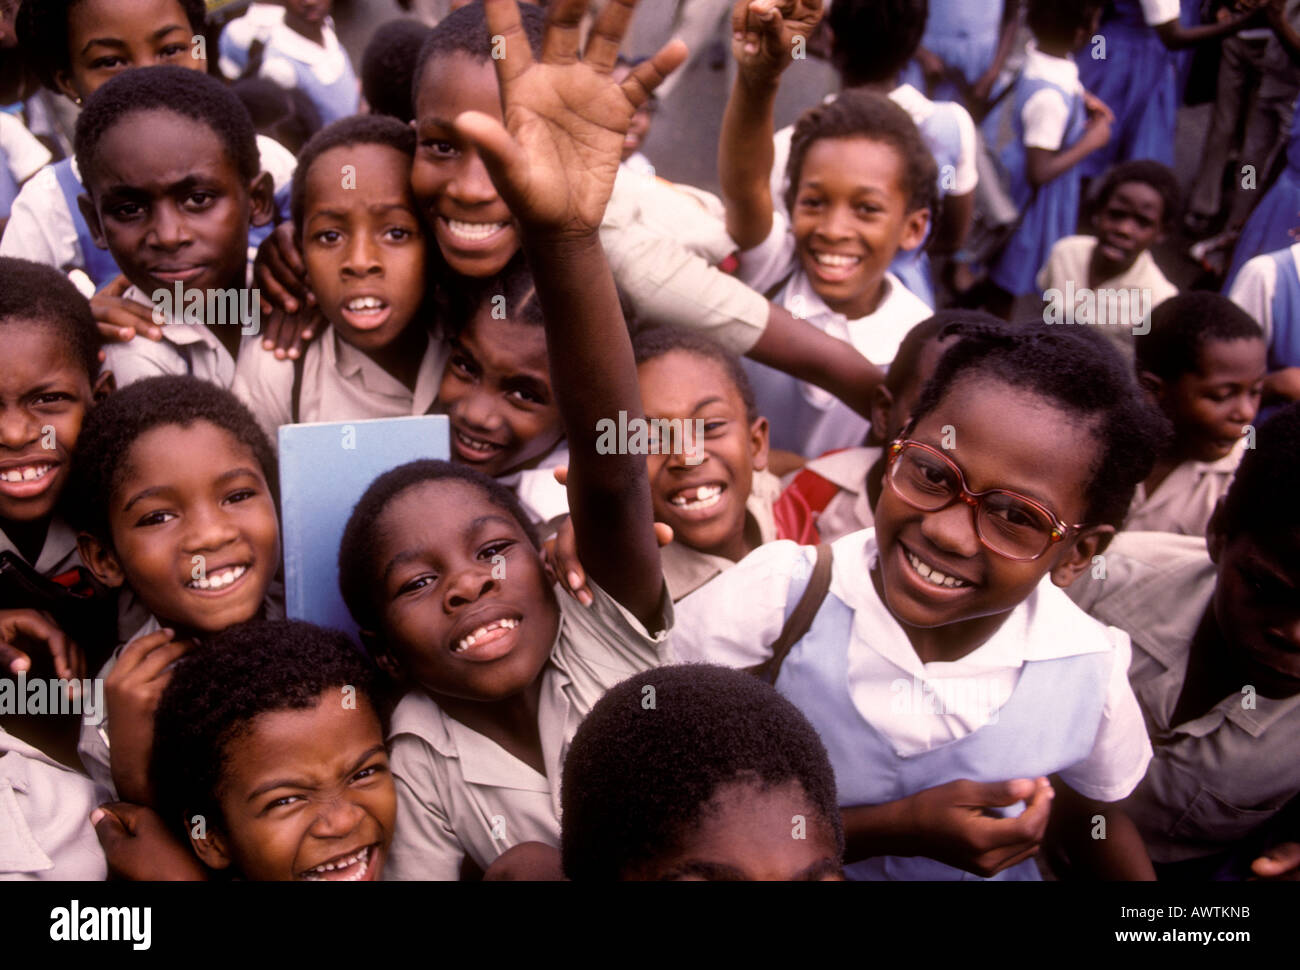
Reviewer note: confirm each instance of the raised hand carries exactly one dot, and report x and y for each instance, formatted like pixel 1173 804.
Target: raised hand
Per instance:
pixel 764 33
pixel 555 160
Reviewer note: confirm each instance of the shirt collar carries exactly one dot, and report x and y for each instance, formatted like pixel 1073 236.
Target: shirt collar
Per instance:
pixel 1061 71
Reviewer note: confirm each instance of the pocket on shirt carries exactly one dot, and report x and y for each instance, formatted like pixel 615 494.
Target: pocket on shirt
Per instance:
pixel 1211 818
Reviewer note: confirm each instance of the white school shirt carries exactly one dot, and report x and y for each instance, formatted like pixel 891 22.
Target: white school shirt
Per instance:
pixel 735 619
pixel 45 806
pixel 339 383
pixel 327 62
pixel 1185 500
pixel 826 423
pixel 1256 285
pixel 59 552
pixel 965 174
pixel 1046 115
pixel 186 349
pixel 459 793
pixel 22 151
pixel 41 228
pixel 1158 12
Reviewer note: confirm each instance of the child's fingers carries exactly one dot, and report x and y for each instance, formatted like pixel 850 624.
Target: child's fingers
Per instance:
pixel 502 18
pixel 564 31
pixel 1280 861
pixel 1009 859
pixel 140 648
pixel 115 287
pixel 663 534
pixel 122 319
pixel 502 157
pixel 648 75
pixel 37 627
pixel 607 34
pixel 13 660
pixel 159 660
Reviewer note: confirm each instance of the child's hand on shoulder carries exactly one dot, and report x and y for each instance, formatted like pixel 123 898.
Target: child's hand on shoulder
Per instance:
pixel 1100 120
pixel 31 628
pixel 1281 863
pixel 132 691
pixel 120 319
pixel 555 160
pixel 139 847
pixel 764 34
pixel 951 823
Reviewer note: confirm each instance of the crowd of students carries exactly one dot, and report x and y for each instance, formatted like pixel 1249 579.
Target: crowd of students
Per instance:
pixel 945 582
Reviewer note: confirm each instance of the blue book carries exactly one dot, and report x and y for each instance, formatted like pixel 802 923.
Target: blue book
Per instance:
pixel 324 470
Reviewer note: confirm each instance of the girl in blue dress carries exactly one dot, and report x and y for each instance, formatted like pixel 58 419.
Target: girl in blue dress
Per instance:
pixel 969 42
pixel 1056 124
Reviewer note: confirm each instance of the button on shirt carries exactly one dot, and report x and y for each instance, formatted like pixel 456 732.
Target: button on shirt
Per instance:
pixel 459 793
pixel 919 706
pixel 1216 778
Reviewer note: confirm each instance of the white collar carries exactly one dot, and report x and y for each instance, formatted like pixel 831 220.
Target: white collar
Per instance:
pixel 1061 71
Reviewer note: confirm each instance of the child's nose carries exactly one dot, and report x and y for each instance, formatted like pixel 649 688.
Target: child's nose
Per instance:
pixel 478 409
pixel 468 586
pixel 472 184
pixel 169 228
pixel 362 257
pixel 17 428
pixel 952 530
pixel 209 529
pixel 337 816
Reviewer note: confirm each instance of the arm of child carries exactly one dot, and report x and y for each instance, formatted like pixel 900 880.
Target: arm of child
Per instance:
pixel 139 847
pixel 555 163
pixel 1042 165
pixel 120 319
pixel 25 628
pixel 1175 36
pixel 764 34
pixel 1098 838
pixel 983 86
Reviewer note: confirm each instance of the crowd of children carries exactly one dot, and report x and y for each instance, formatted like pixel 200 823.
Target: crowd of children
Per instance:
pixel 954 527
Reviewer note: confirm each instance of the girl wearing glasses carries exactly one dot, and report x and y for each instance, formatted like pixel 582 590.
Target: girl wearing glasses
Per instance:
pixel 964 700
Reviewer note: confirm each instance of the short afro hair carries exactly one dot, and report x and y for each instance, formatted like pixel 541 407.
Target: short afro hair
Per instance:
pixel 1261 499
pixel 36 293
pixel 1160 178
pixel 188 94
pixel 636 780
pixel 903 368
pixel 465 31
pixel 1057 21
pixel 464 296
pixel 288 116
pixel 43 34
pixel 346 133
pixel 388 67
pixel 1183 325
pixel 358 570
pixel 104 446
pixel 1079 372
pixel 220 687
pixel 872 40
pixel 859 113
pixel 654 342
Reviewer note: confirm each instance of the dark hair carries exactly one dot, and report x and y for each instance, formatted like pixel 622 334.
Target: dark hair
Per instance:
pixel 42 29
pixel 221 686
pixel 41 294
pixel 903 368
pixel 464 296
pixel 388 67
pixel 346 133
pixel 1181 327
pixel 1158 177
pixel 1057 21
pixel 1261 499
pixel 655 342
pixel 1080 372
pixel 288 116
pixel 872 40
pixel 104 446
pixel 465 31
pixel 860 113
pixel 182 92
pixel 636 780
pixel 357 566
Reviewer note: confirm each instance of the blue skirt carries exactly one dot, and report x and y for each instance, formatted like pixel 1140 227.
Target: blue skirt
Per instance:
pixel 1269 227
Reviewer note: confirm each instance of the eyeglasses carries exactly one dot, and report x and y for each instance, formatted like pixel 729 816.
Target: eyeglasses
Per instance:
pixel 1007 523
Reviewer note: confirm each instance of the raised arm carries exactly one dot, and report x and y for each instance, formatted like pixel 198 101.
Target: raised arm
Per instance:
pixel 554 163
pixel 765 38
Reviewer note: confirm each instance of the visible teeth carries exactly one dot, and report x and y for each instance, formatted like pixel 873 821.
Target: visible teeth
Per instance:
pixel 316 874
pixel 933 576
pixel 366 303
pixel 833 259
pixel 706 496
pixel 474 231
pixel 468 641
pixel 476 443
pixel 27 473
pixel 218 580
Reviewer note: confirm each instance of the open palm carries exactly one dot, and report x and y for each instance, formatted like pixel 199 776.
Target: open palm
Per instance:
pixel 555 159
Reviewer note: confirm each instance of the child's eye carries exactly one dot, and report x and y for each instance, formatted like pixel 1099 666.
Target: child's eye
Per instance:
pixel 527 396
pixel 106 63
pixel 172 50
pixel 327 237
pixel 125 211
pixel 438 147
pixel 242 495
pixel 809 202
pixel 281 802
pixel 416 584
pixel 200 199
pixel 52 397
pixel 155 518
pixel 868 209
pixel 398 234
pixel 714 427
pixel 370 771
pixel 496 548
pixel 463 364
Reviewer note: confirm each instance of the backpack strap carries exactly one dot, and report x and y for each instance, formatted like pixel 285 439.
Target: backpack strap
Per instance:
pixel 799 622
pixel 299 363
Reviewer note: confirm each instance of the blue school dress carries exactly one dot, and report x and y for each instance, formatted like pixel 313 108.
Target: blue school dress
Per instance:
pixel 1138 81
pixel 1269 226
pixel 1047 725
pixel 339 99
pixel 965 37
pixel 1049 212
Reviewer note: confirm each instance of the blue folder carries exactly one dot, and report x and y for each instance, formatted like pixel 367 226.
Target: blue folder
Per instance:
pixel 324 470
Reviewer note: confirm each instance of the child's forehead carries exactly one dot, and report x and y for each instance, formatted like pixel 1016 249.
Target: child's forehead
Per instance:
pixel 133 148
pixel 360 173
pixel 311 739
pixel 504 342
pixel 39 348
pixel 860 160
pixel 456 82
pixel 197 448
pixel 682 373
pixel 1141 195
pixel 117 18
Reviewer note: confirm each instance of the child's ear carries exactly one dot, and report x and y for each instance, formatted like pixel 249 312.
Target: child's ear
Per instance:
pixel 261 200
pixel 89 213
pixel 1152 386
pixel 1078 557
pixel 759 442
pixel 384 660
pixel 100 560
pixel 105 384
pixel 63 81
pixel 915 225
pixel 1215 538
pixel 882 402
pixel 211 848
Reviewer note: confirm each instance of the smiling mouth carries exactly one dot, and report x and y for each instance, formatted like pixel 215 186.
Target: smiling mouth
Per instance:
pixel 366 312
pixel 219 579
pixel 697 498
pixel 182 273
pixel 352 868
pixel 475 449
pixel 472 233
pixel 485 634
pixel 27 481
pixel 931 575
pixel 833 267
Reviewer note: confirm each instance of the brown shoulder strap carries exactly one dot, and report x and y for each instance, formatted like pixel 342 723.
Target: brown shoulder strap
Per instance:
pixel 801 620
